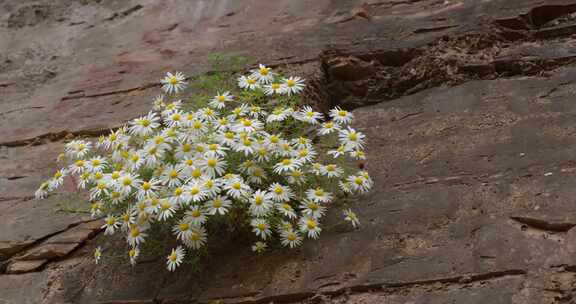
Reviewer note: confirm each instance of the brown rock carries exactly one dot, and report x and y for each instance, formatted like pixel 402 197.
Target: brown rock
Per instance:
pixel 48 251
pixel 16 267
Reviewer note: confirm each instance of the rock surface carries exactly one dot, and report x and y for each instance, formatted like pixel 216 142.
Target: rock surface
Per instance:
pixel 468 105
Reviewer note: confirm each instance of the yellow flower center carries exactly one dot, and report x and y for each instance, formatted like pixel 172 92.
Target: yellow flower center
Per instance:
pixel 291 237
pixel 165 205
pixel 134 232
pixel 353 136
pixel 173 257
pixel 196 213
pixel 135 157
pixel 221 98
pixel 58 174
pixel 342 113
pixel 358 181
pixel 145 122
pixel 311 224
pixel 173 80
pixel 176 117
pixel 158 140
pixel 251 81
pixel 286 162
pixel 313 206
pixel 229 135
pixel 264 71
pixel 258 200
pixel 196 173
pixel 197 125
pixel 247 123
pixel 80 163
pixel 211 162
pixel 186 147
pixel 319 192
pixel 275 86
pixel 278 190
pixel 127 181
pixel 286 206
pixel 194 191
pixel 98 175
pixel 115 175
pixel 178 191
pixel 237 186
pixel 173 174
pixel 261 226
pixel 195 236
pixel 111 221
pixel 183 226
pixel 303 153
pixel 290 82
pixel 217 203
pixel 213 147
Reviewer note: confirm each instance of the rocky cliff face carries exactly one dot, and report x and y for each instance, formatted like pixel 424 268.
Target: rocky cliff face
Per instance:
pixel 469 107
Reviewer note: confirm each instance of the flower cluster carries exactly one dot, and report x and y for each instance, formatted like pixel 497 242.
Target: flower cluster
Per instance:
pixel 180 168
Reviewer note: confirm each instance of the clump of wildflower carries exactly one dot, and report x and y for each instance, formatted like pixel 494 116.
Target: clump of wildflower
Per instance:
pixel 180 168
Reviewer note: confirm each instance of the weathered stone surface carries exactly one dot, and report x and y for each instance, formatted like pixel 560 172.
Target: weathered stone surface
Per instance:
pixel 468 107
pixel 23 288
pixel 24 222
pixel 48 251
pixel 16 266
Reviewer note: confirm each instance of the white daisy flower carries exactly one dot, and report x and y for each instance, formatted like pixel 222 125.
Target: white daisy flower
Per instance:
pixel 148 189
pixel 273 88
pixel 308 115
pixel 144 125
pixel 359 183
pixel 358 154
pixel 286 210
pixel 312 209
pixel 260 203
pixel 96 164
pixel 77 148
pixel 245 125
pixel 182 230
pixel 197 238
pixel 341 116
pixel 341 150
pixel 280 193
pixel 111 224
pixel 296 177
pixel 167 210
pixel 236 188
pixel 173 83
pixel 328 127
pixel 175 119
pixel 305 154
pixel 261 228
pixel 310 227
pixel 279 114
pixel 259 247
pixel 218 205
pixel 293 85
pixel 287 165
pixel 331 170
pixel 318 195
pixel 97 254
pixel 213 166
pixel 135 236
pixel 158 104
pixel 196 216
pixel 248 82
pixel 58 179
pixel 351 217
pixel 290 238
pixel 133 254
pixel 351 138
pixel 220 100
pixel 196 191
pixel 263 74
pixel 78 166
pixel 175 258
pixel 172 176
